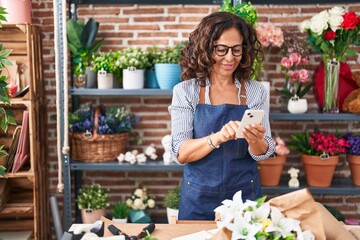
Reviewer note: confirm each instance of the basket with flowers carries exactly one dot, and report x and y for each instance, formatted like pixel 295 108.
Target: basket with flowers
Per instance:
pixel 99 135
pixel 138 202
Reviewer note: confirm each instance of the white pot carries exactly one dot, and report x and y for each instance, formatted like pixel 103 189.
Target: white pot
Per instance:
pixel 104 80
pixel 133 78
pixel 297 105
pixel 89 216
pixel 120 220
pixel 172 212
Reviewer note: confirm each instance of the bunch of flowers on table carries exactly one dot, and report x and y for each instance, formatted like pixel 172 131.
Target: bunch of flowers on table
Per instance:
pixel 258 220
pixel 140 200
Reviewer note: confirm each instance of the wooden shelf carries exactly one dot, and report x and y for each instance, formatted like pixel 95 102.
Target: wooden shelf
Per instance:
pixel 29 174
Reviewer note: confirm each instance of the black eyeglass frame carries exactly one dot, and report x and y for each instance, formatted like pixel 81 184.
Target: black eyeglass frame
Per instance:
pixel 227 49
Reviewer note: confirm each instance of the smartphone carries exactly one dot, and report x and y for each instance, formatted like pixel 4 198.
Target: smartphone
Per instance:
pixel 251 116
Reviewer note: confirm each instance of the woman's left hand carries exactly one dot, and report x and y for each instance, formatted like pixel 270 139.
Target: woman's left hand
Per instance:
pixel 254 133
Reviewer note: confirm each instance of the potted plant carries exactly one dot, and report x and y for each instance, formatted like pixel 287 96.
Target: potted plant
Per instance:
pixel 150 76
pixel 320 155
pixel 172 203
pixel 106 64
pixel 92 201
pixel 81 43
pixel 138 202
pixel 167 68
pixel 353 156
pixel 270 169
pixel 120 212
pixel 133 62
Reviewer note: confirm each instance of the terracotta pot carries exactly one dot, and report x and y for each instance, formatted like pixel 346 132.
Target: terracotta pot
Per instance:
pixel 354 163
pixel 89 216
pixel 270 170
pixel 319 172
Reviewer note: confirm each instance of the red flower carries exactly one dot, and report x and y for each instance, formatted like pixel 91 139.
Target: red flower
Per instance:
pixel 350 21
pixel 329 35
pixel 324 142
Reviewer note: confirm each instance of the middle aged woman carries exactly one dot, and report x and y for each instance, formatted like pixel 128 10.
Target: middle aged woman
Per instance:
pixel 205 113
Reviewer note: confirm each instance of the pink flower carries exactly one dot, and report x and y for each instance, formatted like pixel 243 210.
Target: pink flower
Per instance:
pixel 303 75
pixel 286 62
pixel 268 34
pixel 280 147
pixel 294 75
pixel 296 58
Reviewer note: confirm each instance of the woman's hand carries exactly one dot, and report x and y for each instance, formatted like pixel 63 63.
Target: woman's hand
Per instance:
pixel 254 133
pixel 227 132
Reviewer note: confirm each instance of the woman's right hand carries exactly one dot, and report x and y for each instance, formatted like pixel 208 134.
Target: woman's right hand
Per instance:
pixel 226 133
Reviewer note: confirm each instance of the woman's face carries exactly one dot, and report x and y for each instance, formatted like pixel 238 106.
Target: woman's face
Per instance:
pixel 226 62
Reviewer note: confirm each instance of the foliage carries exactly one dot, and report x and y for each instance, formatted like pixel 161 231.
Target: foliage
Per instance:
pixel 81 42
pixel 140 200
pixel 296 77
pixel 330 32
pixel 280 147
pixel 245 10
pixel 172 198
pixel 107 61
pixel 318 143
pixel 134 58
pixel 154 54
pixel 170 54
pixel 120 210
pixel 94 197
pixel 258 220
pixel 112 120
pixel 354 143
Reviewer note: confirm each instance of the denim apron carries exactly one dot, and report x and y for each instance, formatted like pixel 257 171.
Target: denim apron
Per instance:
pixel 223 172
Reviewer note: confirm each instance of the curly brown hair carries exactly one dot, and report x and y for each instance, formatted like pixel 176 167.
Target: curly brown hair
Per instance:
pixel 196 61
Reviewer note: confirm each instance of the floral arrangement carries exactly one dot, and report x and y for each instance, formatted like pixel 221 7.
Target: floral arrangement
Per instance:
pixel 112 120
pixel 354 144
pixel 140 200
pixel 330 32
pixel 296 77
pixel 280 147
pixel 318 143
pixel 93 197
pixel 134 58
pixel 269 35
pixel 258 220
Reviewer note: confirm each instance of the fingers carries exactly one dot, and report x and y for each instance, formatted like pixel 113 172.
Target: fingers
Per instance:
pixel 254 133
pixel 228 131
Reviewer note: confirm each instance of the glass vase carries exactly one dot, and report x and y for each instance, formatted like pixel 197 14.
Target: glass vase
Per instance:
pixel 331 86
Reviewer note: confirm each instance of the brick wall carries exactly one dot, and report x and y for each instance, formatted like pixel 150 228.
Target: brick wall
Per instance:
pixel 147 25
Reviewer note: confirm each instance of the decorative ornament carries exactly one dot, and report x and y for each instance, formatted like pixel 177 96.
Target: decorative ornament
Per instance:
pixel 294 182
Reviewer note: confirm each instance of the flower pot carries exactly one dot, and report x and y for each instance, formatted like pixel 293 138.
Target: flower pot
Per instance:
pixel 90 78
pixel 105 80
pixel 89 216
pixel 120 220
pixel 150 79
pixel 319 171
pixel 133 78
pixel 168 75
pixel 354 163
pixel 139 216
pixel 297 105
pixel 19 11
pixel 270 170
pixel 172 212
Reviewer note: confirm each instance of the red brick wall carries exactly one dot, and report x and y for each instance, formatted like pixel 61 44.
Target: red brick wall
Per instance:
pixel 147 25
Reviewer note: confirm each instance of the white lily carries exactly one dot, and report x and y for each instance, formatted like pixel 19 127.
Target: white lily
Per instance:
pixel 281 224
pixel 243 229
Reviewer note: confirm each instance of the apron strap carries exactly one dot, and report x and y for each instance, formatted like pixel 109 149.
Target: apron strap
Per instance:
pixel 242 94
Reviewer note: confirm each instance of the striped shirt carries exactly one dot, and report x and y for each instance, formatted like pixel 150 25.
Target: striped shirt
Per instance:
pixel 182 110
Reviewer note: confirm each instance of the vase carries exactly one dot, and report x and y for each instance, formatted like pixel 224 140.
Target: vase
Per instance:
pixel 297 105
pixel 331 86
pixel 139 216
pixel 354 163
pixel 319 170
pixel 270 170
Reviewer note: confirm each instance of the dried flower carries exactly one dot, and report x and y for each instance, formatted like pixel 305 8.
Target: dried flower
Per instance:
pixel 139 200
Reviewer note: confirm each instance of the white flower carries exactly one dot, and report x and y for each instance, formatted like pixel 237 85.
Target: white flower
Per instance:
pixel 139 193
pixel 307 235
pixel 129 202
pixel 281 224
pixel 230 207
pixel 138 204
pixel 319 22
pixel 243 229
pixel 336 17
pixel 304 25
pixel 151 203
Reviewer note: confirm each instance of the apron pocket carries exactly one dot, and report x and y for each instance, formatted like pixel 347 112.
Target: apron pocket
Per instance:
pixel 235 148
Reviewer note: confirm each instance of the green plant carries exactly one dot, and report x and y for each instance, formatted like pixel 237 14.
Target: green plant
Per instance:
pixel 94 197
pixel 134 58
pixel 107 61
pixel 245 10
pixel 172 198
pixel 120 210
pixel 6 116
pixel 81 42
pixel 170 54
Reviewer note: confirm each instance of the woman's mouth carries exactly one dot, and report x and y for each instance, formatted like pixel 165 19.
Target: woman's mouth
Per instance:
pixel 228 66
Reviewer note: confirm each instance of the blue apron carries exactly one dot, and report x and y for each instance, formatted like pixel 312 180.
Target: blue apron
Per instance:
pixel 223 172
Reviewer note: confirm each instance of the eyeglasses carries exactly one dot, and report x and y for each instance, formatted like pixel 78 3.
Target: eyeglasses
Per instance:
pixel 221 50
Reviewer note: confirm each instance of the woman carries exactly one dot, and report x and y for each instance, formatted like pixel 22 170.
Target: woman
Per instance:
pixel 205 113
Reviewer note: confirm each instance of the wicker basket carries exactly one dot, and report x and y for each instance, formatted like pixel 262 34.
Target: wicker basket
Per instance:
pixel 88 147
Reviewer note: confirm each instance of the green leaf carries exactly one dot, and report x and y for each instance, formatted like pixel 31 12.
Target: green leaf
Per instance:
pixel 2 171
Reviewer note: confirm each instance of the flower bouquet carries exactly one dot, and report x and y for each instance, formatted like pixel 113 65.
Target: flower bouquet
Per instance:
pixel 138 202
pixel 353 156
pixel 331 32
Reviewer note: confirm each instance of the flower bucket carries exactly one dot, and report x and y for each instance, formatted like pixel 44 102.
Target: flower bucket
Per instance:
pixel 270 170
pixel 319 171
pixel 139 216
pixel 354 163
pixel 133 78
pixel 168 75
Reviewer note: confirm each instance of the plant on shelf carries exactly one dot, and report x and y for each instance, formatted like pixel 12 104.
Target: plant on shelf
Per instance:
pixel 170 55
pixel 134 58
pixel 172 203
pixel 106 64
pixel 318 149
pixel 120 211
pixel 81 42
pixel 138 202
pixel 353 156
pixel 6 116
pixel 92 201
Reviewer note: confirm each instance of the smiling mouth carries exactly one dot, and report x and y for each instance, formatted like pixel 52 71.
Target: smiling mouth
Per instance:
pixel 228 66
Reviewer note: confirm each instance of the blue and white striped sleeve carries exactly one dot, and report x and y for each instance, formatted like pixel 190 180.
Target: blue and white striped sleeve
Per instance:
pixel 182 111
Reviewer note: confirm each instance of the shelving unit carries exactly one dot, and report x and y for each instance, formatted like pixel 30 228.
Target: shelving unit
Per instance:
pixel 26 208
